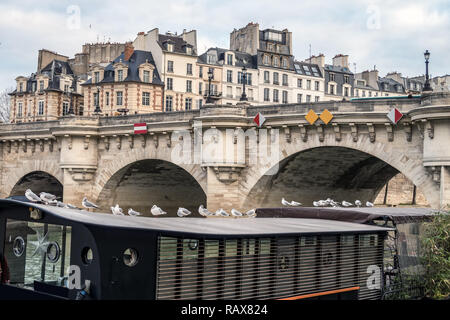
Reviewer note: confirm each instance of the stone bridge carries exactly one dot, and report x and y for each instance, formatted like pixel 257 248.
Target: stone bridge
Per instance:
pixel 217 156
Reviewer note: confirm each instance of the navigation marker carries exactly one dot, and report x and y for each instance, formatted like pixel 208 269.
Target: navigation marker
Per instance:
pixel 394 115
pixel 140 128
pixel 259 119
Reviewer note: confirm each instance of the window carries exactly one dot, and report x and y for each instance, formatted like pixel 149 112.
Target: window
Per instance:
pixel 250 94
pixel 20 87
pixel 189 69
pixel 275 95
pixel 97 77
pixel 229 76
pixel 315 71
pixel 211 59
pixel 170 47
pixel 370 93
pixel 188 50
pixel 285 63
pixel 145 98
pixel 199 103
pixel 169 84
pixel 41 85
pixel 346 91
pixel 317 98
pixel 285 97
pixel 275 78
pixel 299 98
pixel 308 98
pixel 169 103
pixel 66 88
pixel 188 85
pixel 266 77
pixel 274 36
pixel 96 100
pixel 299 83
pixel 346 79
pixel 285 80
pixel 65 109
pixel 308 84
pixel 169 66
pixel 230 59
pixel 19 110
pixel 146 76
pixel 200 88
pixel 306 70
pixel 363 93
pixel 41 107
pixel 249 78
pixel 229 92
pixel 119 75
pixel 331 76
pixel 357 92
pixel 266 94
pixel 316 85
pixel 119 96
pixel 200 72
pixel 331 88
pixel 275 62
pixel 266 59
pixel 81 110
pixel 188 104
pixel 107 98
pixel 52 259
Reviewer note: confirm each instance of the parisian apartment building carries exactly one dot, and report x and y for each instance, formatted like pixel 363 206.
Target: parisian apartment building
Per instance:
pixel 164 72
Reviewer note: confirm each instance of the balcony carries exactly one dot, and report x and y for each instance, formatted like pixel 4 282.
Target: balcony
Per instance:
pixel 214 95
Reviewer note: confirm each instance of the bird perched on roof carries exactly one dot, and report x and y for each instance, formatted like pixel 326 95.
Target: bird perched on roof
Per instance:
pixel 251 213
pixel 71 206
pixel 87 204
pixel 222 213
pixel 358 203
pixel 346 204
pixel 30 195
pixel 117 211
pixel 157 211
pixel 204 212
pixel 47 197
pixel 183 212
pixel 369 204
pixel 236 213
pixel 133 213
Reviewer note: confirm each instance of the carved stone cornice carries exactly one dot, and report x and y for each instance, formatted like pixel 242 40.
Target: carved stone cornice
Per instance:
pixel 80 173
pixel 389 131
pixel 227 173
pixel 337 131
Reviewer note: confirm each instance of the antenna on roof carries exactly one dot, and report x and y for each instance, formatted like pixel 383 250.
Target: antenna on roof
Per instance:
pixel 354 65
pixel 310 53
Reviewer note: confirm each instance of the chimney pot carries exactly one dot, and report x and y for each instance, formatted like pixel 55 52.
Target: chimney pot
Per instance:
pixel 129 49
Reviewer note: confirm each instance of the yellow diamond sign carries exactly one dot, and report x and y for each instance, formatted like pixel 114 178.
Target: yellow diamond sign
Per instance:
pixel 326 116
pixel 311 116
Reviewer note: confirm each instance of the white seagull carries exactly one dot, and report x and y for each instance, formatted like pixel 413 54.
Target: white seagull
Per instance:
pixel 358 203
pixel 222 213
pixel 87 204
pixel 183 212
pixel 117 211
pixel 71 206
pixel 285 203
pixel 30 195
pixel 204 212
pixel 346 204
pixel 157 211
pixel 295 203
pixel 235 213
pixel 133 213
pixel 369 204
pixel 251 213
pixel 47 197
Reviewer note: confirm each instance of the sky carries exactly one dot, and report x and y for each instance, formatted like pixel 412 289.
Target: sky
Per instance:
pixel 389 35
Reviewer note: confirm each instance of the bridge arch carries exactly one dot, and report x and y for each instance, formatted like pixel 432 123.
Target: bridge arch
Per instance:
pixel 37 170
pixel 342 170
pixel 141 183
pixel 38 181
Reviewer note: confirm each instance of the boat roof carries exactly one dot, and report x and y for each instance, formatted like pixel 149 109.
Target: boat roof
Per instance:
pixel 215 226
pixel 355 214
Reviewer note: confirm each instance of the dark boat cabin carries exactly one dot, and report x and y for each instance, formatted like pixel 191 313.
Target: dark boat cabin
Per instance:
pixel 57 253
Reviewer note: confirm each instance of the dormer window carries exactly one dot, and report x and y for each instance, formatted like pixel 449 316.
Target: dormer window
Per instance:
pixel 230 59
pixel 275 62
pixel 169 47
pixel 332 76
pixel 266 60
pixel 188 50
pixel 119 75
pixel 146 76
pixel 284 63
pixel 96 77
pixel 41 85
pixel 20 87
pixel 211 59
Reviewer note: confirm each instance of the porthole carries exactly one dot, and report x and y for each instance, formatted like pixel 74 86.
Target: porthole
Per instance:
pixel 87 256
pixel 130 257
pixel 53 252
pixel 193 244
pixel 18 246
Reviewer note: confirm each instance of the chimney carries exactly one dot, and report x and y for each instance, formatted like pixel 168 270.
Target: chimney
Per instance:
pixel 319 60
pixel 129 49
pixel 371 78
pixel 340 60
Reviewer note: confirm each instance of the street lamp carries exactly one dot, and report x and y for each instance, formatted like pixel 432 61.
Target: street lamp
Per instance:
pixel 244 80
pixel 97 105
pixel 210 76
pixel 72 89
pixel 427 86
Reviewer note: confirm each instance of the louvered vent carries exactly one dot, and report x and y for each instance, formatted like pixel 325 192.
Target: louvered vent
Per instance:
pixel 265 268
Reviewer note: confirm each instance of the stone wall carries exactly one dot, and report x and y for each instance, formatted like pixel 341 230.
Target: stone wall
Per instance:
pixel 400 191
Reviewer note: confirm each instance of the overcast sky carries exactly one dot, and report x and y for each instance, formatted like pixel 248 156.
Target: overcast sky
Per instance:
pixel 389 34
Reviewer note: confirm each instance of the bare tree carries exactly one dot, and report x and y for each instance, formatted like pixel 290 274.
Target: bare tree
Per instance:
pixel 5 105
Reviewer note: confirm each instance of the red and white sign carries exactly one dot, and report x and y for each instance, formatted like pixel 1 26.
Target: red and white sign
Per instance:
pixel 394 115
pixel 259 119
pixel 140 128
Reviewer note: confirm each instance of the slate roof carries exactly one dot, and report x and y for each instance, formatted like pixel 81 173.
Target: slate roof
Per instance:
pixel 307 69
pixel 137 58
pixel 221 56
pixel 392 85
pixel 331 68
pixel 177 41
